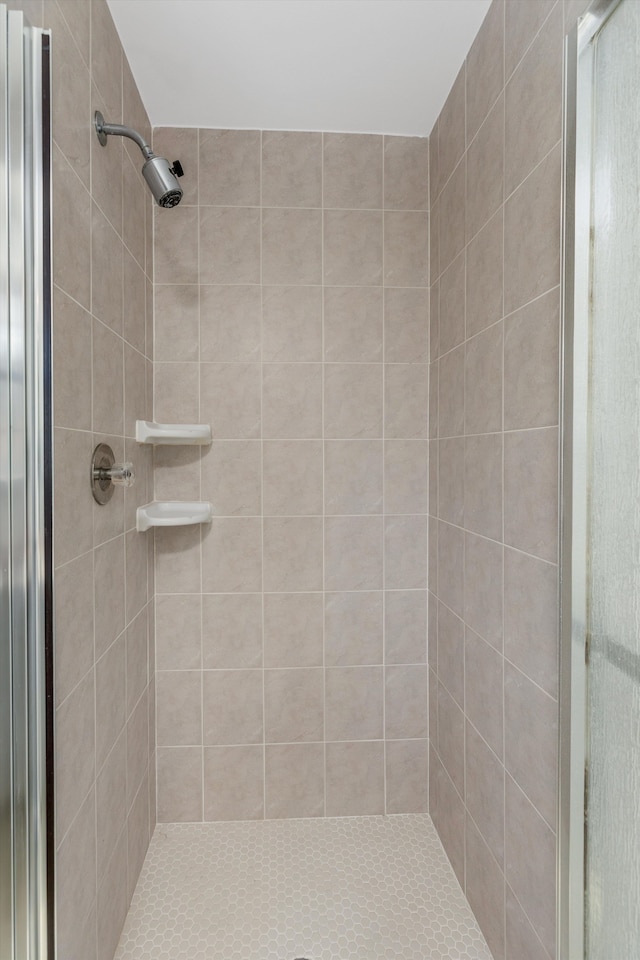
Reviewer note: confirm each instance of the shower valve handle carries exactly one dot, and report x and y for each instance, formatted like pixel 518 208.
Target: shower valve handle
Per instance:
pixel 121 473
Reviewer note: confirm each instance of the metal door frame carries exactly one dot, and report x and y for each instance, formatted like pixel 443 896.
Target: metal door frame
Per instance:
pixel 26 627
pixel 573 742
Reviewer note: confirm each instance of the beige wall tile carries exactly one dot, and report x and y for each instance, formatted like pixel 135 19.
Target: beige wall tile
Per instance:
pixel 451 393
pixel 530 856
pixel 355 779
pixel 229 245
pixel 73 625
pixel 483 588
pixel 75 765
pixel 451 128
pixel 353 476
pixel 76 887
pixel 406 173
pixel 532 235
pixel 434 166
pixel 177 560
pixel 483 381
pixel 232 631
pixel 71 80
pixel 106 275
pixel 232 555
pixel 176 473
pixel 179 709
pixel 521 938
pixel 293 629
pixel 483 485
pixel 138 834
pixel 406 476
pixel 230 167
pixel 353 628
pixel 450 566
pixel 231 477
pixel 175 392
pixel 533 103
pixel 353 553
pixel 230 319
pixel 406 325
pixel 176 318
pixel 106 59
pixel 294 780
pixel 111 708
pixel 522 22
pixel 483 689
pixel 451 480
pixel 530 618
pixel 292 477
pixel 484 791
pixel 230 399
pixel 485 889
pixel 109 593
pixel 353 247
pixel 352 170
pixel 137 663
pixel 406 248
pixel 137 741
pixel 406 702
pixel 291 169
pixel 233 783
pixel 407 776
pixel 531 741
pixel 232 706
pixel 179 784
pixel 485 170
pixel 452 216
pixel 134 293
pixel 292 401
pixel 291 246
pixel 531 491
pixel 353 327
pixel 447 810
pixel 484 276
pixel 292 323
pixel 354 703
pixel 111 803
pixel 531 364
pixel 175 245
pixel 405 552
pixel 405 633
pixel 450 742
pixel 450 644
pixel 451 331
pixel 293 705
pixel 292 554
pixel 71 231
pixel 485 68
pixel 352 400
pixel 107 381
pixel 406 398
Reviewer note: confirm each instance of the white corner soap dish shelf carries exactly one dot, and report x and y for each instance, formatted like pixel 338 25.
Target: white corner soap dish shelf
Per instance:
pixel 172 433
pixel 172 513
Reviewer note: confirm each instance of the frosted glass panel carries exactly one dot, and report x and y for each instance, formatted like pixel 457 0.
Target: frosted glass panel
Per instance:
pixel 613 808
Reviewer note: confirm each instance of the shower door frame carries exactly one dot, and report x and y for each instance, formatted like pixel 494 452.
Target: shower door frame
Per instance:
pixel 576 281
pixel 27 917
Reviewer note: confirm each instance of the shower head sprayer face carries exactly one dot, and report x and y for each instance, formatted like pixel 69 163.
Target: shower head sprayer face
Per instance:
pixel 160 177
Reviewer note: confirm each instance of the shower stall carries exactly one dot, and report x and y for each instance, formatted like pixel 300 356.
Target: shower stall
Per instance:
pixel 26 798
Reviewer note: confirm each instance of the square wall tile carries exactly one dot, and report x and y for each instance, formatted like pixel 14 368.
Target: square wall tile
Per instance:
pixel 231 473
pixel 406 476
pixel 407 776
pixel 406 325
pixel 232 555
pixel 353 247
pixel 406 248
pixel 291 169
pixel 294 705
pixel 292 401
pixel 179 716
pixel 230 318
pixel 293 630
pixel 230 399
pixel 234 783
pixel 353 628
pixel 352 171
pixel 292 477
pixel 292 554
pixel 179 784
pixel 405 626
pixel 353 476
pixel 292 323
pixel 294 780
pixel 353 553
pixel 177 322
pixel 355 779
pixel 231 631
pixel 232 706
pixel 229 245
pixel 353 324
pixel 229 167
pixel 406 173
pixel 352 400
pixel 354 703
pixel 179 632
pixel 291 246
pixel 406 702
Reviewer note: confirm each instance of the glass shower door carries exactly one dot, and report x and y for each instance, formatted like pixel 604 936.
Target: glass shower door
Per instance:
pixel 605 535
pixel 613 527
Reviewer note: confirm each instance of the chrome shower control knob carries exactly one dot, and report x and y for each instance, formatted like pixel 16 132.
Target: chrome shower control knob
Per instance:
pixel 105 473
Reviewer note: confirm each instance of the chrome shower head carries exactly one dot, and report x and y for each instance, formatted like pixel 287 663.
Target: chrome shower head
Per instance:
pixel 160 177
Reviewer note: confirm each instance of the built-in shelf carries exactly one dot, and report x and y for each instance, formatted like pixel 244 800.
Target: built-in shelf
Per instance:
pixel 172 513
pixel 172 433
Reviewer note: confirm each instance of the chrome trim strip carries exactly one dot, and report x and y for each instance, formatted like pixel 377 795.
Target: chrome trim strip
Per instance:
pixel 573 744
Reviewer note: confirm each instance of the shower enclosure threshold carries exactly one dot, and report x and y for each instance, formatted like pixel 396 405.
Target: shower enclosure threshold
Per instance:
pixel 378 888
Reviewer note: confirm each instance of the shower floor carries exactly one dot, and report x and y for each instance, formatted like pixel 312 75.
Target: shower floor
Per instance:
pixel 362 888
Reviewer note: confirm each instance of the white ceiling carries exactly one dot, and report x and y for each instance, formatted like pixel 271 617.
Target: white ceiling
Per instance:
pixel 358 66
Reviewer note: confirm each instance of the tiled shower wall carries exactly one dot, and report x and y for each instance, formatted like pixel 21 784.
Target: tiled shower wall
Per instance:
pixel 102 341
pixel 291 314
pixel 496 155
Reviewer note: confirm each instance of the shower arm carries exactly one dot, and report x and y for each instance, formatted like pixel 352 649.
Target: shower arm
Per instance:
pixel 105 130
